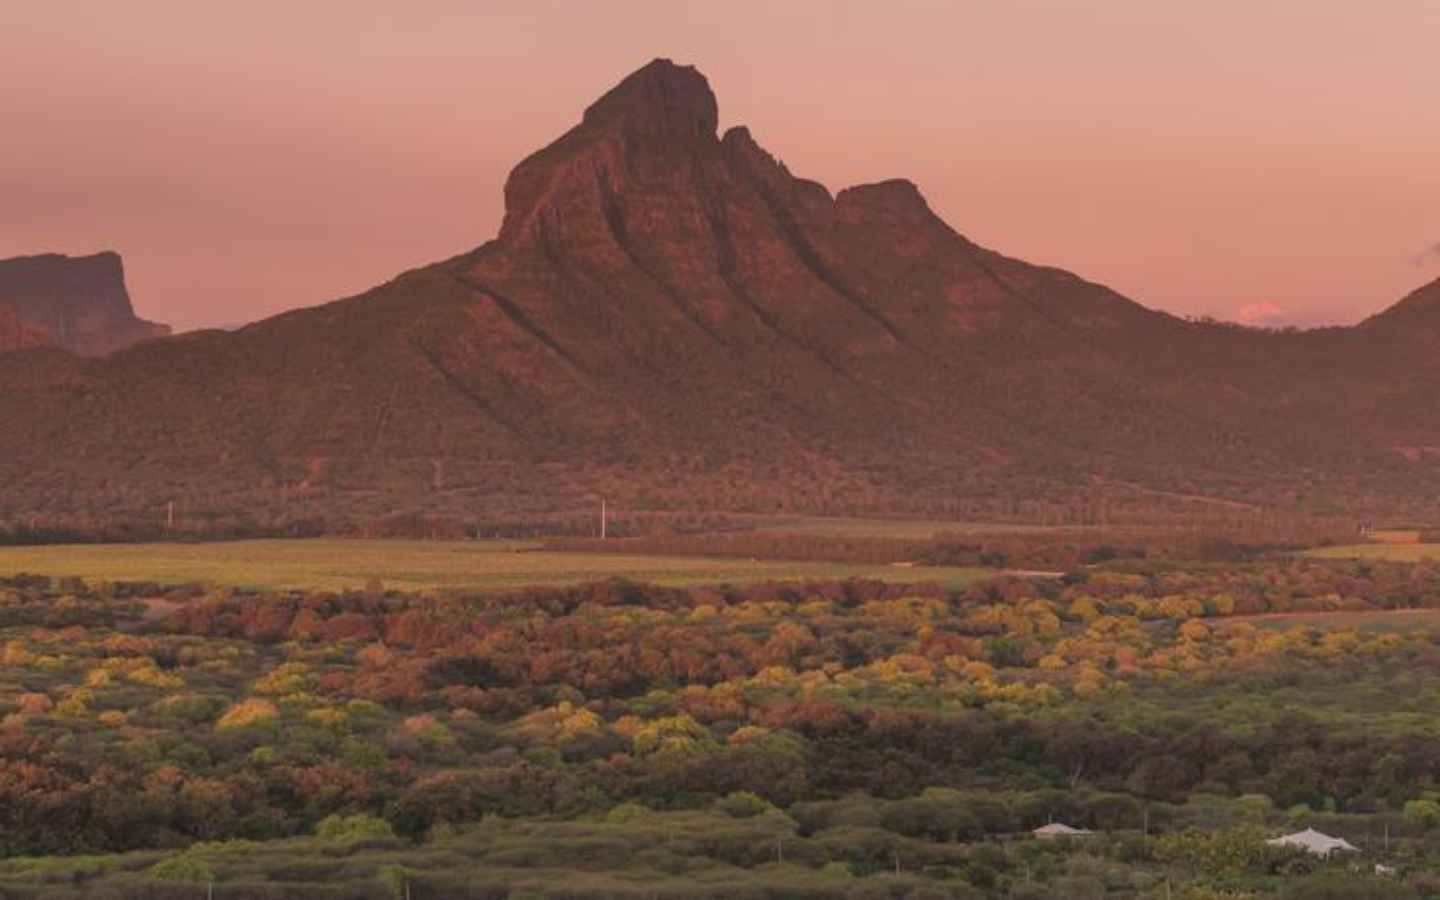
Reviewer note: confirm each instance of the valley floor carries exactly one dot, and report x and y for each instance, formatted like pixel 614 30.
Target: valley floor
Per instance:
pixel 267 719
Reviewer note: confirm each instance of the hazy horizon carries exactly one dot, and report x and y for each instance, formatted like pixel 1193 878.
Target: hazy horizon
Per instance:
pixel 1272 165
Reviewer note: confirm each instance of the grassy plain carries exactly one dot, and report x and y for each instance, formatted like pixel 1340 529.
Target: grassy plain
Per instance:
pixel 1391 552
pixel 1375 621
pixel 908 529
pixel 419 565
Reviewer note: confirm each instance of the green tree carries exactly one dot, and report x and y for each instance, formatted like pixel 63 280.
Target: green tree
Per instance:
pixel 358 827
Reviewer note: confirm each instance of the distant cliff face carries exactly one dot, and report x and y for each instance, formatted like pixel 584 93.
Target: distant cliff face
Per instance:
pixel 78 302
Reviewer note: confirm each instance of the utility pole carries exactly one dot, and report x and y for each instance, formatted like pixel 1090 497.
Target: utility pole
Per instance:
pixel 169 516
pixel 604 520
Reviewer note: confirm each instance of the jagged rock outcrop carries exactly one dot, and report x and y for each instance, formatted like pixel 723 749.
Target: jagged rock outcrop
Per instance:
pixel 80 302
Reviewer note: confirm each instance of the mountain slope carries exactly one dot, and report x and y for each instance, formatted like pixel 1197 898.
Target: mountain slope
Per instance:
pixel 1418 313
pixel 80 302
pixel 669 317
pixel 16 333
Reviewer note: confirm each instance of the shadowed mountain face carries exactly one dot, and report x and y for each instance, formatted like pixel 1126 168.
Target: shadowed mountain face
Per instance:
pixel 80 303
pixel 669 317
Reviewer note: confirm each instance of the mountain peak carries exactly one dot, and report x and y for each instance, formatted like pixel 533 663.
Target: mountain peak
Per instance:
pixel 681 321
pixel 660 98
pixel 658 114
pixel 897 200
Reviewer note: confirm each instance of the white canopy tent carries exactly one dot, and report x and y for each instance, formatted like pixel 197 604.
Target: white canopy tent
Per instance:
pixel 1058 830
pixel 1314 841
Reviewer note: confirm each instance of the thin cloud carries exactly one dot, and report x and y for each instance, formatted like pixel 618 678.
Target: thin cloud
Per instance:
pixel 1430 254
pixel 1259 313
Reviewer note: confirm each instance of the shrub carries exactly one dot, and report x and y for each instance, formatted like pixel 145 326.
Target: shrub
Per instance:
pixel 246 713
pixel 1344 886
pixel 183 867
pixel 358 827
pixel 743 805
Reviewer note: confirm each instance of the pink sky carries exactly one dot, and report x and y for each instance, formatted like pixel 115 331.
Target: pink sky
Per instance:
pixel 1276 159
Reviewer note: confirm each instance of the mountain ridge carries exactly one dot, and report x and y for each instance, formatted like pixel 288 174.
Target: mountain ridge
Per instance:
pixel 670 318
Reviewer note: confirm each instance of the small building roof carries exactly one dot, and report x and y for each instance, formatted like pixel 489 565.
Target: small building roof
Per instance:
pixel 1314 841
pixel 1060 829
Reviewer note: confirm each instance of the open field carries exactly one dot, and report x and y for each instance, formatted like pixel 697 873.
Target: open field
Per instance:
pixel 1395 621
pixel 420 565
pixel 1395 552
pixel 908 529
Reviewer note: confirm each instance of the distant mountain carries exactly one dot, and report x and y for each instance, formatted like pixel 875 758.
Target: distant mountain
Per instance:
pixel 672 319
pixel 1419 312
pixel 80 302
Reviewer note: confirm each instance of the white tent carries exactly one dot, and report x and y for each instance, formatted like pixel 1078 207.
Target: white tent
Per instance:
pixel 1058 830
pixel 1313 841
